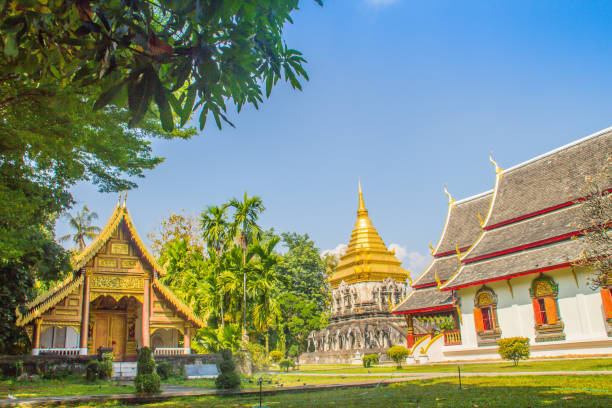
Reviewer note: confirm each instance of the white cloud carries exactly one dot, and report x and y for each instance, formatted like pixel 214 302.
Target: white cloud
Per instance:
pixel 413 260
pixel 338 251
pixel 380 3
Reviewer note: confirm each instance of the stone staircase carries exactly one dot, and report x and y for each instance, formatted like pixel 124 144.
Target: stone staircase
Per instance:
pixel 124 370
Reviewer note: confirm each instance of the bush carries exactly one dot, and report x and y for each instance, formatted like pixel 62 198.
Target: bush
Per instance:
pixel 258 357
pixel 398 354
pixel 147 383
pixel 370 359
pixel 106 366
pixel 276 356
pixel 228 378
pixel 164 370
pixel 146 380
pixel 92 370
pixel 294 351
pixel 59 374
pixel 286 364
pixel 514 349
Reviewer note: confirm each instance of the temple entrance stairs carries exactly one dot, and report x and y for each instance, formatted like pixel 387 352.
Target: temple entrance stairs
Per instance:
pixel 124 370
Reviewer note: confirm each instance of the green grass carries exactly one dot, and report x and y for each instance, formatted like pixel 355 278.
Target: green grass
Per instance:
pixel 596 364
pixel 66 386
pixel 524 391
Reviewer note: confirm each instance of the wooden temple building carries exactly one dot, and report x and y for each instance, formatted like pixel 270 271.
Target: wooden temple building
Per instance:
pixel 113 298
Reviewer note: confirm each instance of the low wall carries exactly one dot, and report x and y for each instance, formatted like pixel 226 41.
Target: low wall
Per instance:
pixel 44 363
pixel 342 356
pixel 178 362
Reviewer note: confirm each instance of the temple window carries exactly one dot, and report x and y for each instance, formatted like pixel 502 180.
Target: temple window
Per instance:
pixel 485 317
pixel 606 300
pixel 548 324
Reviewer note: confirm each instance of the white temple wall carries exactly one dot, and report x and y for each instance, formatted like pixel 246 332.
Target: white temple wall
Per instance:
pixel 580 310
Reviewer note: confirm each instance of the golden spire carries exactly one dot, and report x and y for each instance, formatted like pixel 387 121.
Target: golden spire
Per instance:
pixel 367 258
pixel 362 208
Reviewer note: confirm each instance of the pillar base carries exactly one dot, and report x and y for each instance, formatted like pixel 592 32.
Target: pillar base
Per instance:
pixel 35 351
pixel 187 350
pixel 83 351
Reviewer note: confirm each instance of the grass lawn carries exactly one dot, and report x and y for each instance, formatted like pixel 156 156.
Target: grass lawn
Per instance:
pixel 595 364
pixel 66 386
pixel 525 391
pixel 277 381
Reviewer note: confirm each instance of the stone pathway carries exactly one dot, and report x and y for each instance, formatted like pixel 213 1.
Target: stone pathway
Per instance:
pixel 173 391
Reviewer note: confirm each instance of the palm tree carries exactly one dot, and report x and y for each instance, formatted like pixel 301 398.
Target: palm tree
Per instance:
pixel 81 223
pixel 245 227
pixel 215 230
pixel 215 227
pixel 265 281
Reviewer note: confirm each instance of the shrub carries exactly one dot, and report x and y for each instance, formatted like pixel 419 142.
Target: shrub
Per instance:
pixel 106 366
pixel 228 378
pixel 514 348
pixel 286 364
pixel 146 380
pixel 276 356
pixel 92 370
pixel 164 369
pixel 58 374
pixel 398 354
pixel 370 359
pixel 257 355
pixel 294 351
pixel 147 383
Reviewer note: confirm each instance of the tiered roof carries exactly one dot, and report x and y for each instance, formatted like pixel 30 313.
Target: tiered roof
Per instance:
pixel 120 215
pixel 367 258
pixel 530 225
pixel 461 229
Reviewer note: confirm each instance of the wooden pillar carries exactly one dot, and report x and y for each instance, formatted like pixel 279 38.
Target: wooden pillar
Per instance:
pixel 146 313
pixel 187 339
pixel 85 316
pixel 410 336
pixel 36 337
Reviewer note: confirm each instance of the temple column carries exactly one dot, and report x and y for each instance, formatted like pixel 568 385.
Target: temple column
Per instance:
pixel 187 339
pixel 85 315
pixel 36 337
pixel 146 314
pixel 410 336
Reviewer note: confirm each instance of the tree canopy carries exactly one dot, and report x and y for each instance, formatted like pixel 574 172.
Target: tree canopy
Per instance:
pixel 182 55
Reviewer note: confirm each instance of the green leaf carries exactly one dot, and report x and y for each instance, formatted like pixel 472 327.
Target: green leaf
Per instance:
pixel 140 95
pixel 188 107
pixel 11 49
pixel 108 96
pixel 203 116
pixel 165 113
pixel 269 83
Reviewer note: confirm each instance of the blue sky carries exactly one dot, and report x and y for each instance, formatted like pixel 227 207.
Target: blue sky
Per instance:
pixel 408 96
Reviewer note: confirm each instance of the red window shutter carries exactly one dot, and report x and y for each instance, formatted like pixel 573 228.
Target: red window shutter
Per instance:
pixel 536 311
pixel 478 320
pixel 551 310
pixel 606 299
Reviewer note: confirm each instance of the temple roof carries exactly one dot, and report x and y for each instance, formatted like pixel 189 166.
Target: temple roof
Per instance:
pixel 53 296
pixel 425 300
pixel 367 258
pixel 549 180
pixel 462 226
pixel 530 224
pixel 534 260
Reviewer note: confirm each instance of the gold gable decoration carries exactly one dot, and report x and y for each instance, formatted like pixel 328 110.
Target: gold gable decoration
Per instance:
pixel 177 303
pixel 51 299
pixel 367 258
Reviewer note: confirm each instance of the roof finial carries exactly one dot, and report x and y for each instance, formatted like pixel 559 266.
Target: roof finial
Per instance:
pixel 450 198
pixel 497 168
pixel 362 207
pixel 124 199
pixel 119 201
pixel 431 248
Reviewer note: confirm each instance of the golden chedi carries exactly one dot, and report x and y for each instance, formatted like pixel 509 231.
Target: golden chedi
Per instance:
pixel 367 282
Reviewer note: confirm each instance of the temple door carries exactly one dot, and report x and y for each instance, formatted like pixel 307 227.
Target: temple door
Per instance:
pixel 110 331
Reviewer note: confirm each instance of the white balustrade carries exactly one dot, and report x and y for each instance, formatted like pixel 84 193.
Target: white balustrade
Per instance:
pixel 60 351
pixel 169 351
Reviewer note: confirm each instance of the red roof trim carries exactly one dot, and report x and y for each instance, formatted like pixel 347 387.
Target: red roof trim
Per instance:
pixel 543 211
pixel 514 275
pixel 425 285
pixel 426 309
pixel 525 246
pixel 451 252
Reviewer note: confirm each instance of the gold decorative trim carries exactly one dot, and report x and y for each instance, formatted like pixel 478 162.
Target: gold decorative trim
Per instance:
pixel 120 248
pixel 116 282
pixel 107 262
pixel 177 303
pixel 50 300
pixel 129 263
